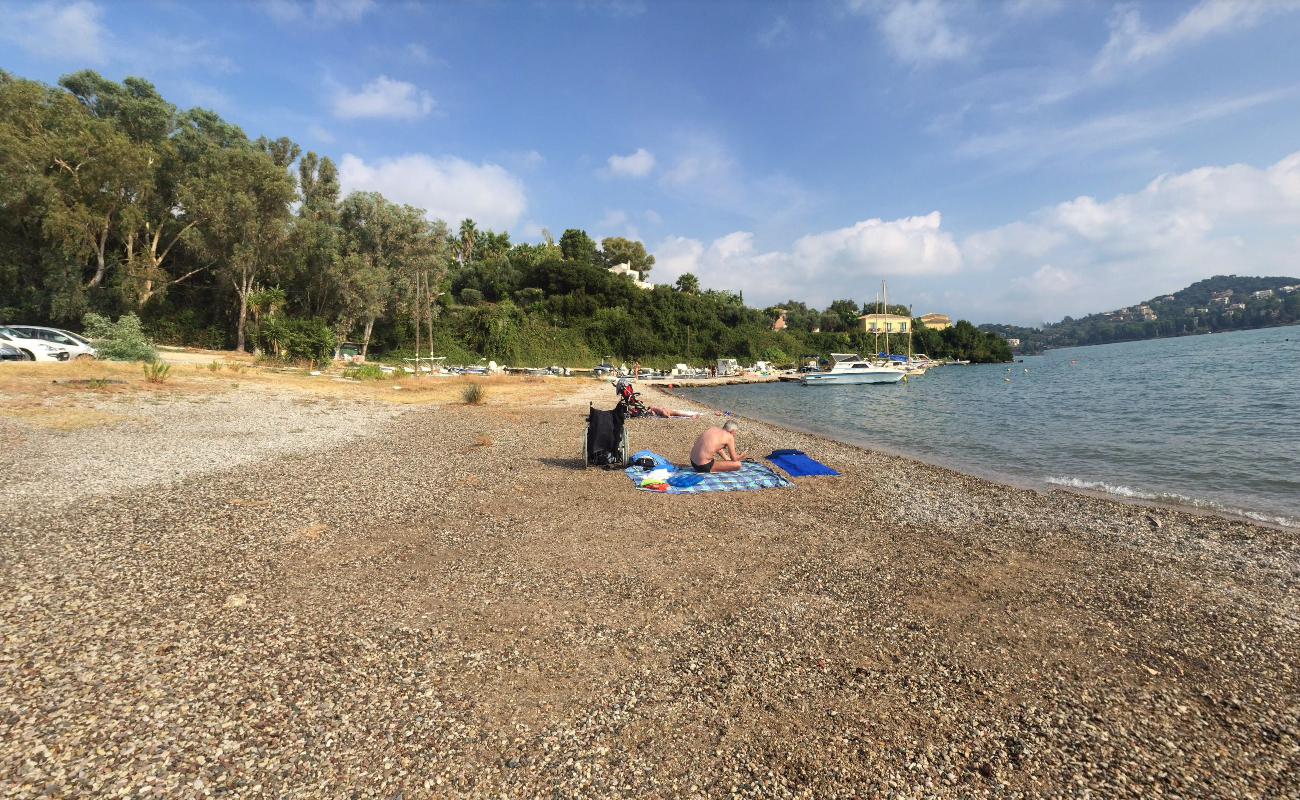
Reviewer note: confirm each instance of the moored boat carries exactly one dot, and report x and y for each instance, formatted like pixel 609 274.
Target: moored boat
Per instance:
pixel 851 368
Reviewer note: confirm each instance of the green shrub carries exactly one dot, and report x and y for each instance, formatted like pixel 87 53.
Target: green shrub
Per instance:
pixel 156 371
pixel 297 339
pixel 473 394
pixel 123 340
pixel 365 372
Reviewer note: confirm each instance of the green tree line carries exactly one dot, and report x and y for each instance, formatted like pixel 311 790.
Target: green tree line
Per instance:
pixel 114 201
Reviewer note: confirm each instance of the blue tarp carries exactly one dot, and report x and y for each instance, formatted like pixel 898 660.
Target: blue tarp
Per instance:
pixel 798 464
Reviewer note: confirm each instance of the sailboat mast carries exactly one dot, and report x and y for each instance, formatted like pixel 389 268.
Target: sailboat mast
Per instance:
pixel 884 310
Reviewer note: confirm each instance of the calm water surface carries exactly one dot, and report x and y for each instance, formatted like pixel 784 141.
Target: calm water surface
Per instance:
pixel 1210 421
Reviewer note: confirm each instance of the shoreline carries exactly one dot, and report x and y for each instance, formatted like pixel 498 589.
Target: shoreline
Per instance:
pixel 448 603
pixel 1044 486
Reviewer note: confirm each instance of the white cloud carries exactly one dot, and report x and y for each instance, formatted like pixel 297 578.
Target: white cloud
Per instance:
pixel 1019 9
pixel 58 31
pixel 1087 255
pixel 909 246
pixel 818 267
pixel 447 188
pixel 1131 41
pixel 1075 257
pixel 383 98
pixel 777 33
pixel 1024 147
pixel 320 133
pixel 634 165
pixel 919 32
pixel 702 171
pixel 325 11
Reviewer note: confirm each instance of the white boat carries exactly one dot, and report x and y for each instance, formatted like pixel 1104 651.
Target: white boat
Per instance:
pixel 851 368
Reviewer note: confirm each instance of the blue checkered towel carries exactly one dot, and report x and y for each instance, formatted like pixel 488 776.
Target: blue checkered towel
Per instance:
pixel 752 475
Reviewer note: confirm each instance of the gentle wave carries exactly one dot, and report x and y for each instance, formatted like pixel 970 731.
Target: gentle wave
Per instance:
pixel 1171 498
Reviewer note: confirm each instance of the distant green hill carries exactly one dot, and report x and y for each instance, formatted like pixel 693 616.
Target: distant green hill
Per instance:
pixel 1221 303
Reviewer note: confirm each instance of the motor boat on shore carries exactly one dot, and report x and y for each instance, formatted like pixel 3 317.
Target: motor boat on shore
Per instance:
pixel 851 368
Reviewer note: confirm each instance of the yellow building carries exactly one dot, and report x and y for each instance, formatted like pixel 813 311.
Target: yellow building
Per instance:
pixel 885 323
pixel 937 322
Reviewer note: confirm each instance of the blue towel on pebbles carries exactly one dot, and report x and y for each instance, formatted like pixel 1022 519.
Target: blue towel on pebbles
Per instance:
pixel 798 464
pixel 752 475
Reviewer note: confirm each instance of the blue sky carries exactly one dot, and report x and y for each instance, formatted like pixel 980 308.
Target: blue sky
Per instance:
pixel 1000 161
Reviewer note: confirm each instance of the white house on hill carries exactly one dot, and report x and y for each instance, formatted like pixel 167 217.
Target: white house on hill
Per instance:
pixel 626 269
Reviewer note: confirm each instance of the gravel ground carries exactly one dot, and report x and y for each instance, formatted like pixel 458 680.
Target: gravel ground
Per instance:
pixel 446 604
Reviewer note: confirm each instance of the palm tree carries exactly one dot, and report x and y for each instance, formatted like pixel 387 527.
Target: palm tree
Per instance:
pixel 465 247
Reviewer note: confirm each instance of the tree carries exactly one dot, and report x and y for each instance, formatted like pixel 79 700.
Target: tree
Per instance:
pixel 617 250
pixel 317 239
pixel 244 202
pixel 688 283
pixel 391 256
pixel 465 243
pixel 578 247
pixel 155 222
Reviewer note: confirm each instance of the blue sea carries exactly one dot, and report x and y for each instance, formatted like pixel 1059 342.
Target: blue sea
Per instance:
pixel 1211 421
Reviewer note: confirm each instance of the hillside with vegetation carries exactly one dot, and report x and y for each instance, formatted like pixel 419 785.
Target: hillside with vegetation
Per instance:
pixel 115 202
pixel 1221 303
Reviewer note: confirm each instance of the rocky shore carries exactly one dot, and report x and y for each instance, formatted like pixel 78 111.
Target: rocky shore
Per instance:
pixel 438 601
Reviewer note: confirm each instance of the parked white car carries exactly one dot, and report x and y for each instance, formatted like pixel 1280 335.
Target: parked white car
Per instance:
pixel 35 349
pixel 78 345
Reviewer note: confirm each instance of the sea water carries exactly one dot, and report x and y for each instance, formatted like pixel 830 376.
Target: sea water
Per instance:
pixel 1208 421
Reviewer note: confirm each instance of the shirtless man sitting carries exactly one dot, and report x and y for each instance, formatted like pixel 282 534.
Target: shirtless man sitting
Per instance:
pixel 715 450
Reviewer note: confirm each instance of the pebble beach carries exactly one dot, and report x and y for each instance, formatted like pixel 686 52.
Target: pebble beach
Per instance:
pixel 246 591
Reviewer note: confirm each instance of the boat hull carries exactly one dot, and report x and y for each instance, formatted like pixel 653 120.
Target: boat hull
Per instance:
pixel 852 378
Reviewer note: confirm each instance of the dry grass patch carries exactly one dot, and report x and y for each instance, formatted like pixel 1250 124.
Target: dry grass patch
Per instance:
pixel 42 381
pixel 60 417
pixel 483 441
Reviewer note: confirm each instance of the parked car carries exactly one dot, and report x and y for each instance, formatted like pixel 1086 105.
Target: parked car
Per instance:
pixel 35 349
pixel 8 352
pixel 78 345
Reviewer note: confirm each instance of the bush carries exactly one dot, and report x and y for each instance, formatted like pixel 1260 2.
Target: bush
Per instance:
pixel 123 340
pixel 156 371
pixel 473 394
pixel 365 372
pixel 297 339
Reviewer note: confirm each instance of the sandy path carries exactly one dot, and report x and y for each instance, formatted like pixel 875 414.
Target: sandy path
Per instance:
pixel 477 615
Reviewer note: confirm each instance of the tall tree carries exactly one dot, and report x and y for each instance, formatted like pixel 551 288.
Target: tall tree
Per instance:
pixel 688 283
pixel 244 202
pixel 617 250
pixel 578 247
pixel 317 239
pixel 465 244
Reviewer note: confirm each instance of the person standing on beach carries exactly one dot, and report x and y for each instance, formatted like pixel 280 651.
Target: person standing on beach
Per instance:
pixel 715 450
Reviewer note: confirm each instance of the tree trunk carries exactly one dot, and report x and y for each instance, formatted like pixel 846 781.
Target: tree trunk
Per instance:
pixel 244 287
pixel 365 339
pixel 100 262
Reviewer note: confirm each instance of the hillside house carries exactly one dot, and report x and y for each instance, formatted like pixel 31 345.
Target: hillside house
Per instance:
pixel 625 269
pixel 936 321
pixel 1262 294
pixel 780 323
pixel 1238 307
pixel 885 323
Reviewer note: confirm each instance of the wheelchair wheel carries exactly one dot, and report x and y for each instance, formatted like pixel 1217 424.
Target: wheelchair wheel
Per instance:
pixel 623 448
pixel 585 462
